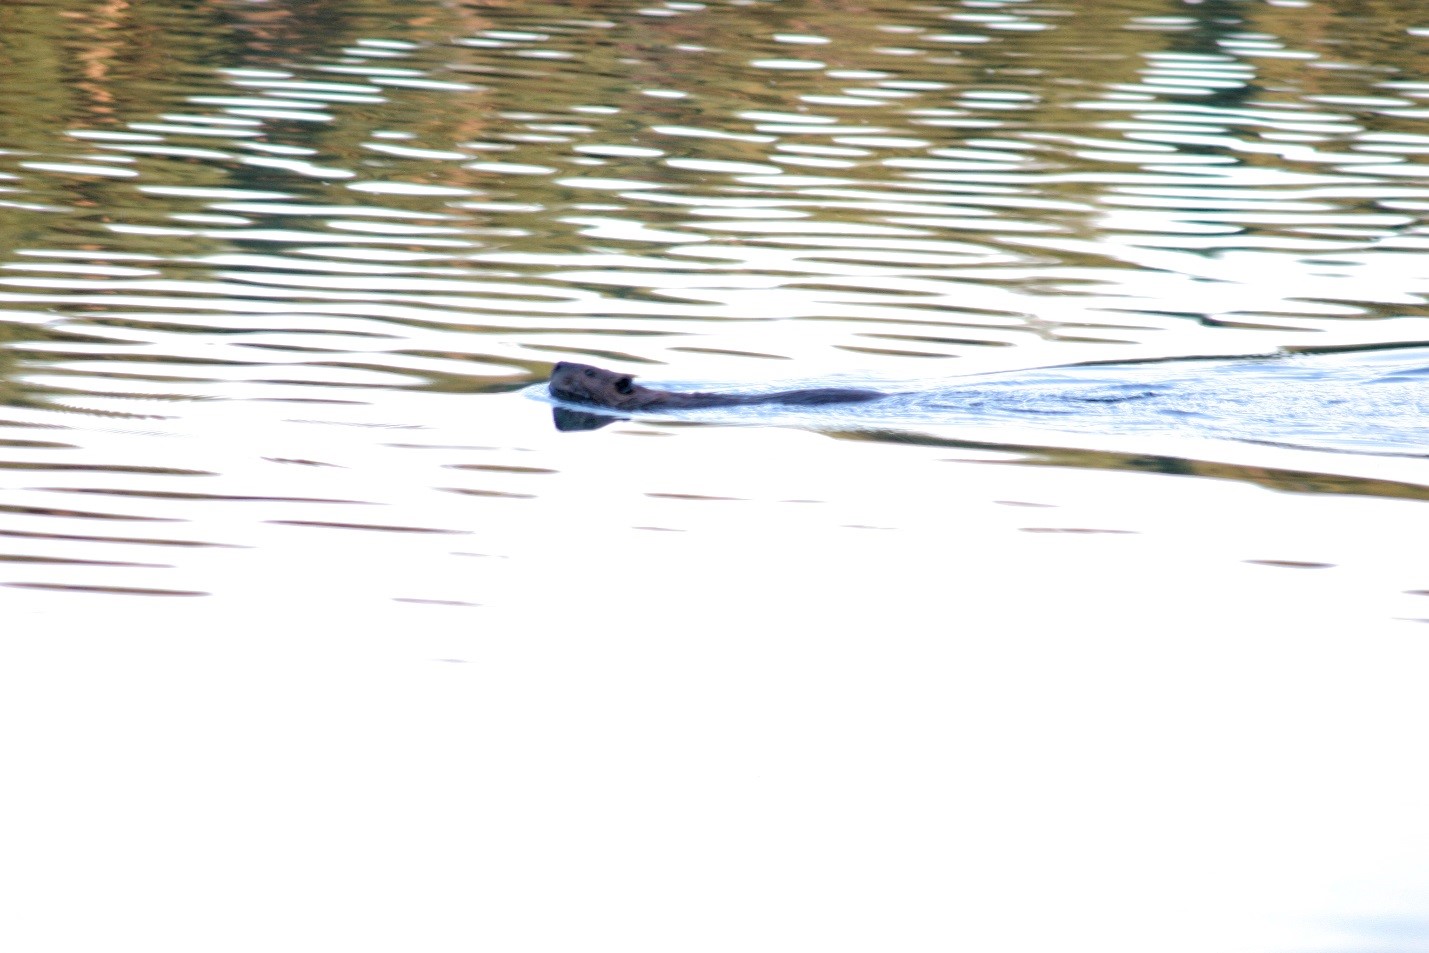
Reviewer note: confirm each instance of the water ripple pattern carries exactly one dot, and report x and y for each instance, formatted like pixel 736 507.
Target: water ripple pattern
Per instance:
pixel 1104 629
pixel 289 240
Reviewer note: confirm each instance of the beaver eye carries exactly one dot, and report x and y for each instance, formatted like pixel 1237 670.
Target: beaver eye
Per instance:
pixel 590 372
pixel 623 385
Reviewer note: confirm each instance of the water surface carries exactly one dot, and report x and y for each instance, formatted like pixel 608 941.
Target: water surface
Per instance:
pixel 1109 619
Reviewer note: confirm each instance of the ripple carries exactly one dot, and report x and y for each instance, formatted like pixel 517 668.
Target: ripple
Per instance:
pixel 392 220
pixel 107 590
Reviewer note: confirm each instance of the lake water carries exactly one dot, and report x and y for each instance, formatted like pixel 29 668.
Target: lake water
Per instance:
pixel 1106 630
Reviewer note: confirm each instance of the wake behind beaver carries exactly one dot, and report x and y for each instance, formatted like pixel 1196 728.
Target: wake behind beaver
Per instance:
pixel 1365 401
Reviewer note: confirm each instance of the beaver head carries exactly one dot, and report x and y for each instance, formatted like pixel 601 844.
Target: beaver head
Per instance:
pixel 583 384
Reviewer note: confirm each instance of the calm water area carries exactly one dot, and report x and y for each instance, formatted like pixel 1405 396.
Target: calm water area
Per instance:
pixel 326 627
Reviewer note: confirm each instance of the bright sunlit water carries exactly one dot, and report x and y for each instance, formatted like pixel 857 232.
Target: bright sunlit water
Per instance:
pixel 1104 630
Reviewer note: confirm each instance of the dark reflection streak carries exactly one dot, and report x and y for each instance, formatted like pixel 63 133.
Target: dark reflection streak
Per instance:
pixel 497 468
pixel 1283 445
pixel 124 540
pixel 497 494
pixel 1275 478
pixel 208 497
pixel 58 561
pixel 110 590
pixel 321 524
pixel 102 468
pixel 310 400
pixel 84 515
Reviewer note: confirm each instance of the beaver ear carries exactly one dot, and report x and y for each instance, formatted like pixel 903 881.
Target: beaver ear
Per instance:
pixel 624 385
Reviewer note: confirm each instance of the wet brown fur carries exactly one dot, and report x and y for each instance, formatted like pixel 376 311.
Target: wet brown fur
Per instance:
pixel 584 384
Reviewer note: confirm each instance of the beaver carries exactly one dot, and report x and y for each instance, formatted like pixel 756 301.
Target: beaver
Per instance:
pixel 584 384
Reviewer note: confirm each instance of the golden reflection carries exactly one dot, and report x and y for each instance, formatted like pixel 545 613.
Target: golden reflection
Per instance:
pixel 360 209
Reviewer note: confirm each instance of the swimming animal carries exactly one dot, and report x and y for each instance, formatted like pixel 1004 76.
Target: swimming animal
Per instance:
pixel 598 387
